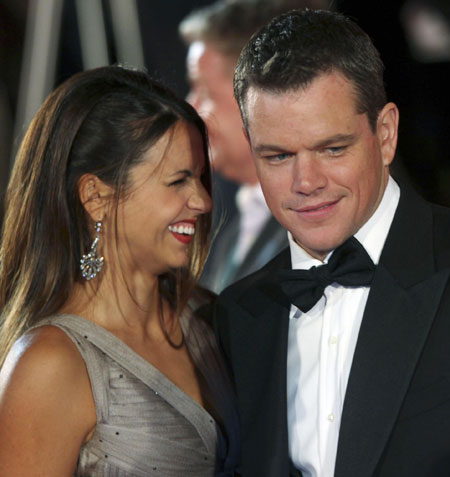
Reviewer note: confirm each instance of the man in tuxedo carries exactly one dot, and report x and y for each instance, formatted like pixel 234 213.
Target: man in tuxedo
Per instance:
pixel 339 346
pixel 247 236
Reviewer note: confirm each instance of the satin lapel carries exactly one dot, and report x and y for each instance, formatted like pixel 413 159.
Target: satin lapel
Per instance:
pixel 260 354
pixel 392 335
pixel 402 304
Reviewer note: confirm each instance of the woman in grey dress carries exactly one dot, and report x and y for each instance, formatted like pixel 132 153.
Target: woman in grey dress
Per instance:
pixel 109 366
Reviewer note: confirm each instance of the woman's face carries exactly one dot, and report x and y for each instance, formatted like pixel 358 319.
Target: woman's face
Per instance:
pixel 157 217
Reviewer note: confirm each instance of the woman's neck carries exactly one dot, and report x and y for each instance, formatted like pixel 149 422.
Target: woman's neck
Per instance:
pixel 115 302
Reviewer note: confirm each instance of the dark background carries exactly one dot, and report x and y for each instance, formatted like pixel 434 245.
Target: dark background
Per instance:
pixel 420 89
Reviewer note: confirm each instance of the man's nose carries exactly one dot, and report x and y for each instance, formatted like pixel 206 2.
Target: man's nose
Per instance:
pixel 308 175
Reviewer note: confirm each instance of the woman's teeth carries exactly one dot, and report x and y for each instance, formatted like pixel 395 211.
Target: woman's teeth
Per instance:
pixel 182 229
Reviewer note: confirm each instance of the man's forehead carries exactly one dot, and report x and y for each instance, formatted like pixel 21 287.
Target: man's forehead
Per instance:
pixel 206 55
pixel 196 50
pixel 271 116
pixel 324 85
pixel 260 102
pixel 194 54
pixel 256 95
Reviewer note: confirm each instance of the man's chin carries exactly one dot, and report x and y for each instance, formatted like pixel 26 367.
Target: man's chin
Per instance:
pixel 319 248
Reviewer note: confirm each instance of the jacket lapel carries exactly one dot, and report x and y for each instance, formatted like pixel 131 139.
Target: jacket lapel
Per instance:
pixel 393 332
pixel 402 304
pixel 260 353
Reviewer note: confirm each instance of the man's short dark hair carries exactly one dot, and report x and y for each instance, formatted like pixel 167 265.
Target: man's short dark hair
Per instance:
pixel 297 47
pixel 229 24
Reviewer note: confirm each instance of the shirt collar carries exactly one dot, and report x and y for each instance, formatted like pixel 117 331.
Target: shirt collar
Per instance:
pixel 371 235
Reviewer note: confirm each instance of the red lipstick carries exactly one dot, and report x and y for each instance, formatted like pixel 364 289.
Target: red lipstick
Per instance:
pixel 183 230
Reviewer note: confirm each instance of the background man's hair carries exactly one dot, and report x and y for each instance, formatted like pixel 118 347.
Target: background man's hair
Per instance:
pixel 228 24
pixel 298 46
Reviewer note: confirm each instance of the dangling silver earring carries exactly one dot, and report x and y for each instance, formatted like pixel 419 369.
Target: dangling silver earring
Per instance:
pixel 91 264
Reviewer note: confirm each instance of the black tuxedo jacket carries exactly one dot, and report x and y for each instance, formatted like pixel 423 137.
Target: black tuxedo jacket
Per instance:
pixel 396 416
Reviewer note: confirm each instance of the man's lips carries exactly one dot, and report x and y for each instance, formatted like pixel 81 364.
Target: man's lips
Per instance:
pixel 319 210
pixel 316 207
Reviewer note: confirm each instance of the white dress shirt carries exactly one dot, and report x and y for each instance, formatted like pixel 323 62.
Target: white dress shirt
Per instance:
pixel 320 351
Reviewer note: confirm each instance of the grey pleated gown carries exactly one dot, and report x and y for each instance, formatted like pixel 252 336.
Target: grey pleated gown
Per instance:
pixel 147 426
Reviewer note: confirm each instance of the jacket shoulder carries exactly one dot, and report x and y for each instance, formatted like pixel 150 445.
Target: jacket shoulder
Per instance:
pixel 441 235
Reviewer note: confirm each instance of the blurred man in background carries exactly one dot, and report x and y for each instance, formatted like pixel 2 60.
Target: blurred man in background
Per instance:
pixel 247 234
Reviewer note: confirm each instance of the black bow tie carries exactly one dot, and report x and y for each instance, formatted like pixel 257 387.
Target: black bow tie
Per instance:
pixel 349 265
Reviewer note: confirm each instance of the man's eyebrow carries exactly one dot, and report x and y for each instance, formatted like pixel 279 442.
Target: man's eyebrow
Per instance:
pixel 269 147
pixel 337 138
pixel 346 138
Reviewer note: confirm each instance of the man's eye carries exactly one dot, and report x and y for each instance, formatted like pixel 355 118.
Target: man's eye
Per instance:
pixel 278 157
pixel 335 151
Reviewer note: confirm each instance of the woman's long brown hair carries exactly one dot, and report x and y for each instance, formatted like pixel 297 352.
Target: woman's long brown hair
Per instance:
pixel 100 122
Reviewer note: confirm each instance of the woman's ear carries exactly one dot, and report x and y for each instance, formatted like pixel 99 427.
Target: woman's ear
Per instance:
pixel 95 196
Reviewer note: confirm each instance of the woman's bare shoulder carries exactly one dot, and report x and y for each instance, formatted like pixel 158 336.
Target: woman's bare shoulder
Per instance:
pixel 43 353
pixel 44 366
pixel 46 403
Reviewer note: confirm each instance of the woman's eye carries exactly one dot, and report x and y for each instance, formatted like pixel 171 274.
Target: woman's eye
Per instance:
pixel 178 182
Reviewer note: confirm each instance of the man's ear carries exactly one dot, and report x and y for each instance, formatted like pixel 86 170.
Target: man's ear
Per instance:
pixel 95 196
pixel 387 131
